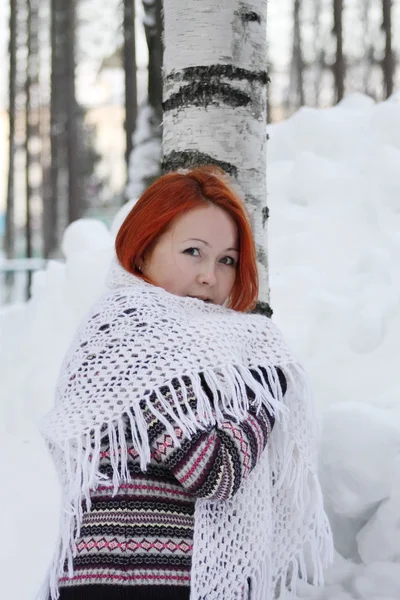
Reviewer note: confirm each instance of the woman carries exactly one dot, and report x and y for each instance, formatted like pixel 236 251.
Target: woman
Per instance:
pixel 174 484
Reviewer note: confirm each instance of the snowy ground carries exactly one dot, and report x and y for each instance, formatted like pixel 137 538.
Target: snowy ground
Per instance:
pixel 334 195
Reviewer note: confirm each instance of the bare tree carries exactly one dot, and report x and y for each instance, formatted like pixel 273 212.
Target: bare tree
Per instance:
pixel 65 202
pixel 32 115
pixel 368 51
pixel 28 134
pixel 339 66
pixel 319 51
pixel 388 61
pixel 154 29
pixel 145 159
pixel 130 75
pixel 49 222
pixel 75 200
pixel 296 88
pixel 9 244
pixel 55 212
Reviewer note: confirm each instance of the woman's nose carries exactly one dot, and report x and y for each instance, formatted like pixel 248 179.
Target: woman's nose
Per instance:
pixel 208 276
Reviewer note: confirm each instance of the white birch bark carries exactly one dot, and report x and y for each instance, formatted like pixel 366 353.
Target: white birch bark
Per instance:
pixel 215 72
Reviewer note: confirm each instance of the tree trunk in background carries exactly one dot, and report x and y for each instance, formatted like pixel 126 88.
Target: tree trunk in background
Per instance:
pixel 65 177
pixel 75 201
pixel 145 158
pixel 55 211
pixel 388 61
pixel 319 52
pixel 48 206
pixel 50 201
pixel 130 75
pixel 339 66
pixel 28 132
pixel 365 7
pixel 215 100
pixel 296 88
pixel 9 241
pixel 154 30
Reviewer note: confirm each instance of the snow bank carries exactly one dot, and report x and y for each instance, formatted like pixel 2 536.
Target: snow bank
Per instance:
pixel 37 333
pixel 334 196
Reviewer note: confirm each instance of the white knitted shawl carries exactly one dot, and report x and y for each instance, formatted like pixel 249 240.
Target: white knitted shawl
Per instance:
pixel 137 339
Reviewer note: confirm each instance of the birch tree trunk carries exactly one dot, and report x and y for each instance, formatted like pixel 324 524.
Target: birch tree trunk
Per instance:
pixel 215 75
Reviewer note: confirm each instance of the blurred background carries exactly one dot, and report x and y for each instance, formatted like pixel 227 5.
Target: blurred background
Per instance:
pixel 81 103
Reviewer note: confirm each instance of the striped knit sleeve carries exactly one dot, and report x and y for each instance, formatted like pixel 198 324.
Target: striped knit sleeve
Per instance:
pixel 212 464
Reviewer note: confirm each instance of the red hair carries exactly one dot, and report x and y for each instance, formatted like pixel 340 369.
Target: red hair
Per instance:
pixel 171 196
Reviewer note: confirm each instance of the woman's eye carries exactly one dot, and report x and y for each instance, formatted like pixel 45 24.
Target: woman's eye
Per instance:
pixel 231 262
pixel 192 251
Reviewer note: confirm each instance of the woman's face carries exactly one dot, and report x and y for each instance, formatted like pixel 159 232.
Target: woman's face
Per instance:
pixel 197 256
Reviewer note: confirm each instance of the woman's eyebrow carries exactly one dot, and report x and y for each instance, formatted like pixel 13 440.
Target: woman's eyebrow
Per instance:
pixel 207 244
pixel 198 240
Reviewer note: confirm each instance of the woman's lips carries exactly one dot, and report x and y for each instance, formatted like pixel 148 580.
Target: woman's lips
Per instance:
pixel 201 298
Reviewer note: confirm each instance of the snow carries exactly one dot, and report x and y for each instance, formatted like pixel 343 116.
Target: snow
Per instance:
pixel 334 197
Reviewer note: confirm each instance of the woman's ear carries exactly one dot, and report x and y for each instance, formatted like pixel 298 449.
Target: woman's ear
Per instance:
pixel 140 263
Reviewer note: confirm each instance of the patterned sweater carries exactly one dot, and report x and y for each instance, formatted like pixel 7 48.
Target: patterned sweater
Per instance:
pixel 138 544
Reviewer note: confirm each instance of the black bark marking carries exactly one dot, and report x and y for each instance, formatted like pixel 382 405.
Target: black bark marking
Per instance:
pixel 189 159
pixel 251 16
pixel 205 94
pixel 262 256
pixel 265 214
pixel 205 73
pixel 252 200
pixel 263 308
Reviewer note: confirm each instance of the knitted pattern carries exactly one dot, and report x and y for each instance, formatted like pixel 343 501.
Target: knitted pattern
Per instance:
pixel 144 535
pixel 140 338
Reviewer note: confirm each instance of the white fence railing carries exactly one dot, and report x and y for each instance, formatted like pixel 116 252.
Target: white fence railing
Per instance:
pixel 16 277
